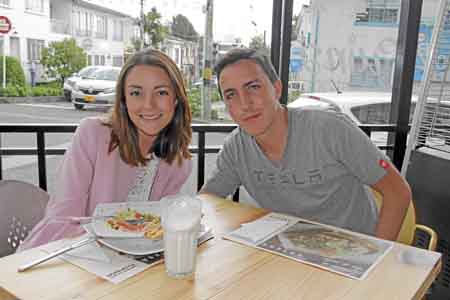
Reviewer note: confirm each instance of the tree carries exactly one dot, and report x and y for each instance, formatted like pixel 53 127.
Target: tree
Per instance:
pixel 154 28
pixel 294 32
pixel 183 28
pixel 257 42
pixel 14 72
pixel 62 59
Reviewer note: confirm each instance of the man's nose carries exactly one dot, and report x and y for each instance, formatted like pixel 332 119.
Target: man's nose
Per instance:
pixel 246 101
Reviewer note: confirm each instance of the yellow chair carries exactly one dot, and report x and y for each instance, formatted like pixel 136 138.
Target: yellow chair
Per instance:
pixel 411 233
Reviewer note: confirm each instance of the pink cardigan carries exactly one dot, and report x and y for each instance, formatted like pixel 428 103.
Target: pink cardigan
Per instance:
pixel 88 175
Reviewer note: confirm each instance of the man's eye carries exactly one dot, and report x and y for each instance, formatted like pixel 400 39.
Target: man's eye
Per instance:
pixel 229 96
pixel 254 87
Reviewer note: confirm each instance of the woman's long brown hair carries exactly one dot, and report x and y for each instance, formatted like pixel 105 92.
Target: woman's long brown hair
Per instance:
pixel 172 141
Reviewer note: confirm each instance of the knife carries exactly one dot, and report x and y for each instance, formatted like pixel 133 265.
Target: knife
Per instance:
pixel 57 253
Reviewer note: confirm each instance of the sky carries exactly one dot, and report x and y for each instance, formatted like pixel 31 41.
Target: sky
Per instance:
pixel 232 18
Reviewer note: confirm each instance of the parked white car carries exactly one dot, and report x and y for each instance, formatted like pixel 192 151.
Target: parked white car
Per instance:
pixel 99 89
pixel 364 108
pixel 360 107
pixel 72 80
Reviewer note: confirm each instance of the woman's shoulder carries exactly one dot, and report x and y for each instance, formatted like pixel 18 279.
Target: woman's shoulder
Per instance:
pixel 95 126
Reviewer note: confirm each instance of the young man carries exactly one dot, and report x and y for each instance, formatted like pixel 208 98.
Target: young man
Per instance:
pixel 310 163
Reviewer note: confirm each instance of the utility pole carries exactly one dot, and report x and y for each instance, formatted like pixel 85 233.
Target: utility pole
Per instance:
pixel 142 24
pixel 207 61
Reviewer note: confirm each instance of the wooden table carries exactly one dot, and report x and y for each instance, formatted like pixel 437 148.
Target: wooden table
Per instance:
pixel 225 270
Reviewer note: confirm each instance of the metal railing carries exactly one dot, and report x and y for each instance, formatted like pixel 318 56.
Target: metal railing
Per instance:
pixel 201 149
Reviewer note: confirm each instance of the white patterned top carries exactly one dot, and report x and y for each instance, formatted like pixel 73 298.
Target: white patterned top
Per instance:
pixel 144 181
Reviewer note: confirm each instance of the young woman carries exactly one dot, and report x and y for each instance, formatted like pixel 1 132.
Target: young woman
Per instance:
pixel 139 152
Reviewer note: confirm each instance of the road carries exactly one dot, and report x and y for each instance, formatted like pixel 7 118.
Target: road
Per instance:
pixel 25 167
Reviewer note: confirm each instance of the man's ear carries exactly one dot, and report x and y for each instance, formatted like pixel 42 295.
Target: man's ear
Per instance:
pixel 278 88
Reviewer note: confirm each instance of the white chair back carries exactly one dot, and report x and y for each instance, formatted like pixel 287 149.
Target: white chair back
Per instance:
pixel 22 205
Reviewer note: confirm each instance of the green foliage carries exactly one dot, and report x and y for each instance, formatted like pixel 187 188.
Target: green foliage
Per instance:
pixel 215 96
pixel 23 91
pixel 195 102
pixel 136 45
pixel 154 28
pixel 257 42
pixel 46 91
pixel 183 28
pixel 62 59
pixel 293 96
pixel 14 72
pixel 294 32
pixel 13 91
pixel 51 84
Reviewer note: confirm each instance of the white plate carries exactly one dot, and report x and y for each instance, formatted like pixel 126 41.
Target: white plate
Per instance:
pixel 102 229
pixel 143 246
pixel 127 242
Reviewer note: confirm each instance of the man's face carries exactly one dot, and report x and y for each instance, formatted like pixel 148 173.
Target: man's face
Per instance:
pixel 251 99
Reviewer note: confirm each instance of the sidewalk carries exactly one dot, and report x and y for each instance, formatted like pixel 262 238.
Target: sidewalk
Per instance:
pixel 31 99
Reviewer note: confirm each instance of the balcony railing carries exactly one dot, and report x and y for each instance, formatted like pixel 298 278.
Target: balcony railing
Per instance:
pixel 201 149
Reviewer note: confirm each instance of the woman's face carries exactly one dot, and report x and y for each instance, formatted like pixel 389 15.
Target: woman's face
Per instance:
pixel 151 99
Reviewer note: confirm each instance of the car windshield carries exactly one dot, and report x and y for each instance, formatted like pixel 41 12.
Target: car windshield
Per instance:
pixel 110 75
pixel 86 72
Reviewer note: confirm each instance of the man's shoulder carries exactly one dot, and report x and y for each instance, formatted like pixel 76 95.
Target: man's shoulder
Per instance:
pixel 237 137
pixel 318 116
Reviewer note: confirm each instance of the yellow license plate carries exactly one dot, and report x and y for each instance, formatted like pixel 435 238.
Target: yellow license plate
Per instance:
pixel 89 98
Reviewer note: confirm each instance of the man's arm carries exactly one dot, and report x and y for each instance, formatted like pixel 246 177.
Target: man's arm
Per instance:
pixel 396 199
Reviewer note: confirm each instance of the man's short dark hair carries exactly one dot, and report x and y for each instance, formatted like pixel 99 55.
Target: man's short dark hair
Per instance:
pixel 237 54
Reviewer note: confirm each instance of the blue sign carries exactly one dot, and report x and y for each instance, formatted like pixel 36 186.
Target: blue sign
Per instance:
pixel 296 65
pixel 424 50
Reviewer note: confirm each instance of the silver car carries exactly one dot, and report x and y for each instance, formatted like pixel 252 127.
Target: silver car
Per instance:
pixel 99 89
pixel 72 80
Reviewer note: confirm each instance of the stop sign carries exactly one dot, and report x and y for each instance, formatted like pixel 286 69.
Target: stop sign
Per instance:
pixel 5 24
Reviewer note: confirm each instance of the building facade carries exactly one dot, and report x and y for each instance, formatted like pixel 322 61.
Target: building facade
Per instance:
pixel 103 33
pixel 185 54
pixel 351 44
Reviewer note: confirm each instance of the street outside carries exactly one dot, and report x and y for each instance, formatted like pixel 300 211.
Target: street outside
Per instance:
pixel 25 167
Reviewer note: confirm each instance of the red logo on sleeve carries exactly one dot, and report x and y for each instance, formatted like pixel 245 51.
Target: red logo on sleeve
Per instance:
pixel 384 164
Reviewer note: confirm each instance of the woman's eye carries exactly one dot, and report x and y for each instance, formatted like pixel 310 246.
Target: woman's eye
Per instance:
pixel 135 93
pixel 163 93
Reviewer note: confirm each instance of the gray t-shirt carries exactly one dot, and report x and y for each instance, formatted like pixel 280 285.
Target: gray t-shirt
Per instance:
pixel 322 176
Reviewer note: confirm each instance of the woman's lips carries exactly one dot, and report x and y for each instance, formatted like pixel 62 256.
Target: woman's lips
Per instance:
pixel 150 116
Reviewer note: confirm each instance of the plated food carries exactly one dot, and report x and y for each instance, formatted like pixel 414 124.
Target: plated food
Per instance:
pixel 128 220
pixel 133 220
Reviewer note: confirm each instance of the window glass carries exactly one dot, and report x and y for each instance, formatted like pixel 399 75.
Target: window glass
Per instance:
pixel 34 49
pixel 35 5
pixel 356 56
pixel 110 75
pixel 377 113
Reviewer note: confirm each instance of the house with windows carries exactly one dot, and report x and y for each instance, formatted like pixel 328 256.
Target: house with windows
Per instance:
pixel 102 32
pixel 184 53
pixel 356 50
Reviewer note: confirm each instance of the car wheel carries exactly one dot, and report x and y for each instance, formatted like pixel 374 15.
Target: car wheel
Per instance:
pixel 78 106
pixel 68 96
